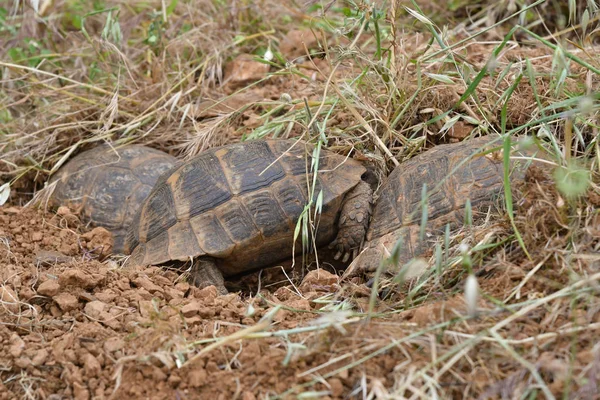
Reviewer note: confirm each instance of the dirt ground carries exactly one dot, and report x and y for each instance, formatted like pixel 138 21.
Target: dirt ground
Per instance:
pixel 75 327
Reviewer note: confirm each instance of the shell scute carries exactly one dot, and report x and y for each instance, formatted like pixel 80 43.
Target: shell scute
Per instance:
pixel 211 236
pixel 250 167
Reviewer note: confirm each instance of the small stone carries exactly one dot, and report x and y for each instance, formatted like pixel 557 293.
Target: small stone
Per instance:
pixel 296 304
pixel 194 321
pixel 197 377
pixel 171 293
pixel 284 293
pixel 106 296
pixel 40 357
pixel 49 288
pixel 55 311
pixel 207 312
pixel 191 309
pixel 9 302
pixel 91 366
pixel 244 69
pixel 37 237
pixel 182 286
pixel 248 396
pixel 159 375
pixel 147 284
pixel 95 309
pixel 80 391
pixel 212 367
pixel 77 278
pixel 296 42
pixel 174 380
pixel 208 293
pixel 320 278
pixel 337 387
pixel 99 239
pixel 299 304
pixel 66 301
pixel 22 362
pixel 146 308
pixel 27 293
pixel 459 131
pixel 17 345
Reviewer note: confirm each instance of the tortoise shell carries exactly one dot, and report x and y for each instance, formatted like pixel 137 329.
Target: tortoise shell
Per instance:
pixel 239 204
pixel 453 173
pixel 106 186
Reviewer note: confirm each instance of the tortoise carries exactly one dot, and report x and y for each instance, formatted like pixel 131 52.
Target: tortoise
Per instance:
pixel 234 209
pixel 106 185
pixel 453 173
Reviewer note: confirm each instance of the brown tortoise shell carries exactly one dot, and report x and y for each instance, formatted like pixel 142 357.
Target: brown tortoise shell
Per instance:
pixel 454 173
pixel 107 186
pixel 239 204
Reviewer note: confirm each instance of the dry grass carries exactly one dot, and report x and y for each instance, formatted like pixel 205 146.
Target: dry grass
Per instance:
pixel 388 83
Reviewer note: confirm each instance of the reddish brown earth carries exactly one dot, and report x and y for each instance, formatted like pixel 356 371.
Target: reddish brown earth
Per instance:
pixel 76 327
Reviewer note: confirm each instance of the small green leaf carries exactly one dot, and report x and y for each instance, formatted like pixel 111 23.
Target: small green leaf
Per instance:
pixel 418 16
pixel 450 123
pixel 440 78
pixel 572 11
pixel 585 20
pixel 468 213
pixel 438 259
pixel 319 203
pixel 171 6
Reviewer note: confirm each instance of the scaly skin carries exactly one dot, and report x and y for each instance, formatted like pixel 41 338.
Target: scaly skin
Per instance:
pixel 353 222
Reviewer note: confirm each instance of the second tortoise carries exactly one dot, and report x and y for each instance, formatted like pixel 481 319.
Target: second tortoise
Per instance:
pixel 454 174
pixel 106 185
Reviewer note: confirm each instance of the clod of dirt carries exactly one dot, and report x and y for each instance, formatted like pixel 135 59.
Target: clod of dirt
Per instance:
pixel 16 345
pixel 208 294
pixel 459 131
pixel 66 301
pixel 95 309
pixel 319 280
pixel 81 279
pixel 297 43
pixel 49 288
pixel 143 282
pixel 68 217
pixel 8 300
pixel 437 312
pixel 99 240
pixel 243 70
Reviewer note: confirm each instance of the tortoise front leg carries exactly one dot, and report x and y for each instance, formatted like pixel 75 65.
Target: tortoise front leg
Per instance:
pixel 354 221
pixel 205 273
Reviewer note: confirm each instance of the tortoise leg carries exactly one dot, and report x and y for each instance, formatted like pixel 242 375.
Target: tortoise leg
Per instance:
pixel 205 273
pixel 353 222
